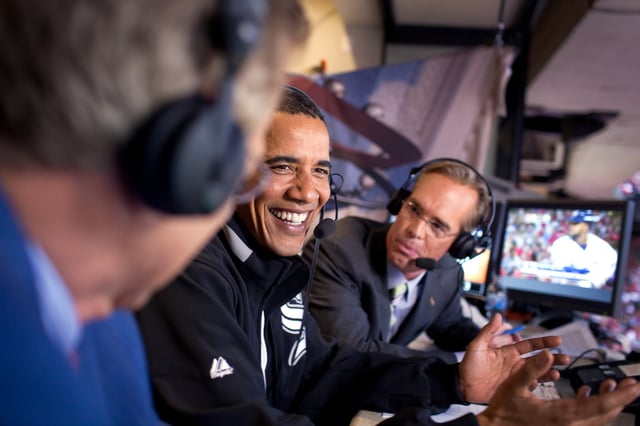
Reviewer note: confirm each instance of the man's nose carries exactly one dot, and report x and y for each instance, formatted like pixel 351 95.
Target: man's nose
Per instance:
pixel 417 228
pixel 305 188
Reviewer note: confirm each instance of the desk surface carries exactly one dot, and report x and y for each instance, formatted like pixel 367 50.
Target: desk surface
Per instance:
pixel 562 387
pixel 370 418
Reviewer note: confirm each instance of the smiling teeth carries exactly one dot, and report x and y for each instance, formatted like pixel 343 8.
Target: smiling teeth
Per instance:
pixel 293 218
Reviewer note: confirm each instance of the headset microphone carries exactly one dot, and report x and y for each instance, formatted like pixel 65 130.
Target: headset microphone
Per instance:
pixel 426 263
pixel 323 229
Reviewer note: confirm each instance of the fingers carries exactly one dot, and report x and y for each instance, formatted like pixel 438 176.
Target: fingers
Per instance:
pixel 504 327
pixel 561 359
pixel 612 394
pixel 487 332
pixel 502 340
pixel 584 391
pixel 610 385
pixel 537 343
pixel 505 335
pixel 612 399
pixel 627 382
pixel 606 386
pixel 549 376
pixel 494 325
pixel 534 368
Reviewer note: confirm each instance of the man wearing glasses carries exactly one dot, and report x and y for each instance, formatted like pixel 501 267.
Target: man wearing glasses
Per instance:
pixel 369 293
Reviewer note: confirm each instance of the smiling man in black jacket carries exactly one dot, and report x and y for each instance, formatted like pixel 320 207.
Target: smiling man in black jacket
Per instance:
pixel 229 342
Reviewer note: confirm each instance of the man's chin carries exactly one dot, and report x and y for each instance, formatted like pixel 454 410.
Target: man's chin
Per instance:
pixel 134 301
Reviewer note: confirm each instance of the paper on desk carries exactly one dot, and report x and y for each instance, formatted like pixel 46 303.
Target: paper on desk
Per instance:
pixel 458 410
pixel 371 418
pixel 576 337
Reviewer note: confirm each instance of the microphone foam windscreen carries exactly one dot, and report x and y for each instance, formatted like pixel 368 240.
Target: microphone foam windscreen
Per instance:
pixel 426 263
pixel 324 228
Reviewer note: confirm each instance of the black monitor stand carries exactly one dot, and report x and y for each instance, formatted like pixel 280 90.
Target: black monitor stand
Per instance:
pixel 552 318
pixel 543 317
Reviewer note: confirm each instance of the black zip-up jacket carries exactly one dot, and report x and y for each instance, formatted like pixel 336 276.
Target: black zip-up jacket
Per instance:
pixel 226 346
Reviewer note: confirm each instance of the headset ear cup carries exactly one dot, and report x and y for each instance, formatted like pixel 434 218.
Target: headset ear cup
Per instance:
pixel 187 157
pixel 395 202
pixel 209 164
pixel 463 246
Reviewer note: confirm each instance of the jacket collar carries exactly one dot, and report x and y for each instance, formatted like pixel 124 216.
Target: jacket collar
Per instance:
pixel 281 278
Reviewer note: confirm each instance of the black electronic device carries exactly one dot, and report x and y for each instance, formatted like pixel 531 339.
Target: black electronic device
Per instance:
pixel 187 157
pixel 593 375
pixel 538 269
pixel 467 244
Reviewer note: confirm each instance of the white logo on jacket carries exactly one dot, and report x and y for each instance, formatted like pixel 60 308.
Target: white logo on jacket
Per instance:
pixel 220 368
pixel 292 314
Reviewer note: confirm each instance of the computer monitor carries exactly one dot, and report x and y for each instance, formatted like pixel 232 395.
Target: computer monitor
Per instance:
pixel 478 271
pixel 541 264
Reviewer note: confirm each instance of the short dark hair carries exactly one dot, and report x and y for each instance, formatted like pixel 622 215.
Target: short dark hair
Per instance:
pixel 294 101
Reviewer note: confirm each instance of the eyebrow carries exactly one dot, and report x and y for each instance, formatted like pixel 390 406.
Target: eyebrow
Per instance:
pixel 288 159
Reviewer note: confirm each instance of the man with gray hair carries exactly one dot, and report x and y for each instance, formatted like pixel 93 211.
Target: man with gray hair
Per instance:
pixel 127 129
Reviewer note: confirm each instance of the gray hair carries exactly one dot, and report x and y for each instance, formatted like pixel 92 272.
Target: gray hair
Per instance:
pixel 79 75
pixel 464 175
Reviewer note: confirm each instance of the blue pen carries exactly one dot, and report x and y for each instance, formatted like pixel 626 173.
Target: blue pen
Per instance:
pixel 513 330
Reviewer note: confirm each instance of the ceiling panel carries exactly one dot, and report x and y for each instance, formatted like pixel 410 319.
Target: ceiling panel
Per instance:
pixel 458 13
pixel 584 58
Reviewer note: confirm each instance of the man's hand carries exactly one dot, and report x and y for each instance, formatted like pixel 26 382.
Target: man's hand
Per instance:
pixel 484 367
pixel 514 402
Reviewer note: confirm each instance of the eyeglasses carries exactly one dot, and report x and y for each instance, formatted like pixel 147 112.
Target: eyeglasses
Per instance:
pixel 253 185
pixel 435 229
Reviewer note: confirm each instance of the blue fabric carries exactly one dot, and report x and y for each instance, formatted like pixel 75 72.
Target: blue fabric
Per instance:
pixel 38 385
pixel 57 310
pixel 113 359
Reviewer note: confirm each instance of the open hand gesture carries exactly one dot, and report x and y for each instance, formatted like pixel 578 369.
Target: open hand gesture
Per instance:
pixel 484 366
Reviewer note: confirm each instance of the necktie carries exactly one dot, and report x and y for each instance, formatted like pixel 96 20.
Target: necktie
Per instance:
pixel 395 294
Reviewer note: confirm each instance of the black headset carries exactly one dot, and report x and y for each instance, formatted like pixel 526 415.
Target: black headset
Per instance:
pixel 187 157
pixel 467 244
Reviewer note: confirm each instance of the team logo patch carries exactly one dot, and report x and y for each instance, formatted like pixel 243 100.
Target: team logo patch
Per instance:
pixel 220 368
pixel 291 314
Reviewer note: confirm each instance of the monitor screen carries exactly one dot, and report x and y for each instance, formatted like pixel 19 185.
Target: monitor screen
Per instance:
pixel 478 270
pixel 565 254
